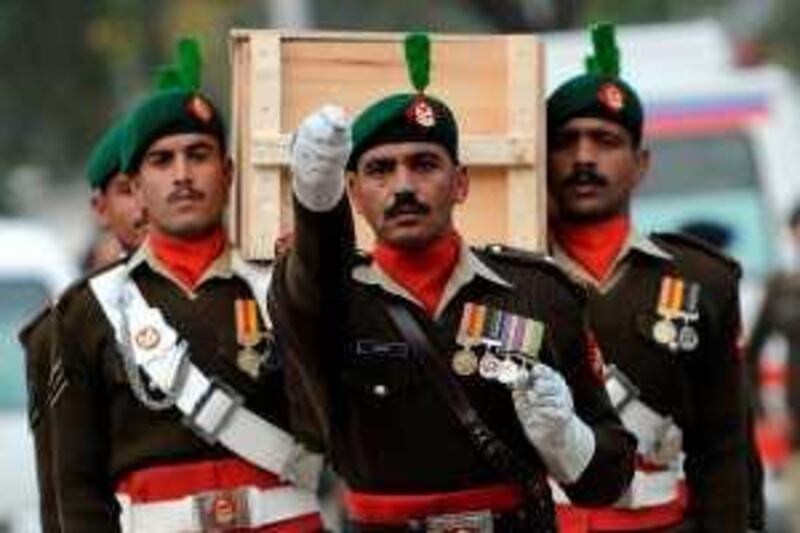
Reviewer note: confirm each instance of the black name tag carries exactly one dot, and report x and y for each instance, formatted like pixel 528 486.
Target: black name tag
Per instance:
pixel 370 348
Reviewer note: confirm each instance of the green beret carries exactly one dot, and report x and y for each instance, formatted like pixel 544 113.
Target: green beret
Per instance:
pixel 407 117
pixel 404 117
pixel 591 95
pixel 104 161
pixel 168 112
pixel 600 92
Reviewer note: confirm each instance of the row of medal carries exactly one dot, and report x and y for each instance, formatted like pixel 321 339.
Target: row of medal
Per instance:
pixel 677 309
pixel 505 368
pixel 249 334
pixel 496 344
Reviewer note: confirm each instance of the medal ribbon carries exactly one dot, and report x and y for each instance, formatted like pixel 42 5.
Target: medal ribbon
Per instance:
pixel 246 322
pixel 670 297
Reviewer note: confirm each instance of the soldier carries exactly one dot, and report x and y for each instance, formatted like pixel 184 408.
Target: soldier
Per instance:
pixel 117 209
pixel 780 315
pixel 119 212
pixel 169 408
pixel 457 378
pixel 665 312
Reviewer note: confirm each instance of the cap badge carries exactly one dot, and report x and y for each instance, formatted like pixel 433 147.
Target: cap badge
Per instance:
pixel 200 109
pixel 421 113
pixel 611 96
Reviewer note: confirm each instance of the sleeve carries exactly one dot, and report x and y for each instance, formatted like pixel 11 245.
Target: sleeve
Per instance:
pixel 308 305
pixel 37 344
pixel 756 519
pixel 609 472
pixel 717 447
pixel 82 481
pixel 762 328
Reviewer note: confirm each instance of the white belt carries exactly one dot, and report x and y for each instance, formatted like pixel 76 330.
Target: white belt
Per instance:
pixel 657 435
pixel 211 409
pixel 190 514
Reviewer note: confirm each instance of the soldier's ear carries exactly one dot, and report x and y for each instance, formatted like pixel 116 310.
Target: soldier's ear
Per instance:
pixel 228 169
pixel 460 184
pixel 99 204
pixel 643 159
pixel 351 179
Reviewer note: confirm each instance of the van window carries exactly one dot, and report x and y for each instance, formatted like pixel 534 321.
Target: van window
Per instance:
pixel 709 179
pixel 20 299
pixel 720 161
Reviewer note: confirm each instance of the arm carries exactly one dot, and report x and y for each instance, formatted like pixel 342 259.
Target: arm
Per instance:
pixel 762 329
pixel 717 448
pixel 308 286
pixel 36 341
pixel 582 440
pixel 323 222
pixel 83 486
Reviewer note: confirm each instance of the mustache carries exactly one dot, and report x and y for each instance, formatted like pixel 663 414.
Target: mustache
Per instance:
pixel 185 193
pixel 406 203
pixel 585 176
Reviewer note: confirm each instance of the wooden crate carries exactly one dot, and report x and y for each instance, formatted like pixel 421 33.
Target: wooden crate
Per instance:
pixel 494 84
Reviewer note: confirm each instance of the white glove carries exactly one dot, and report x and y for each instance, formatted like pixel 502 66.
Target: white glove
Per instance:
pixel 544 408
pixel 319 153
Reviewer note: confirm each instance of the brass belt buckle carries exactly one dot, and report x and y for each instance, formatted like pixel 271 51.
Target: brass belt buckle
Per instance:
pixel 471 522
pixel 221 510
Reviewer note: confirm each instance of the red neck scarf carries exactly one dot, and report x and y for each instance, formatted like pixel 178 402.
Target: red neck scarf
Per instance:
pixel 594 246
pixel 187 260
pixel 424 273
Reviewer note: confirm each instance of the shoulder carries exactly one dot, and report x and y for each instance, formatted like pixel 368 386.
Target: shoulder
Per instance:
pixel 516 261
pixel 79 293
pixel 36 327
pixel 697 254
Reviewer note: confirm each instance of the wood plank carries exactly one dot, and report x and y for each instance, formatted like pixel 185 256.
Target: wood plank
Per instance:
pixel 476 150
pixel 493 84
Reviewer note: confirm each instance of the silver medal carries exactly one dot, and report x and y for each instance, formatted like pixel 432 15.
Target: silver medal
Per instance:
pixel 664 331
pixel 489 367
pixel 688 339
pixel 509 372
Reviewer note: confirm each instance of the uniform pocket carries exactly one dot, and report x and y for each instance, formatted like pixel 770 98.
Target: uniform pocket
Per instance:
pixel 379 369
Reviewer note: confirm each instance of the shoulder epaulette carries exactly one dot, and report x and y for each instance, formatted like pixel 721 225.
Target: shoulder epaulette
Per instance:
pixel 84 279
pixel 361 257
pixel 27 329
pixel 538 260
pixel 682 240
pixel 514 254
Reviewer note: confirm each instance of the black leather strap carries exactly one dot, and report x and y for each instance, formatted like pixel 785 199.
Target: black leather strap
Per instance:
pixel 497 453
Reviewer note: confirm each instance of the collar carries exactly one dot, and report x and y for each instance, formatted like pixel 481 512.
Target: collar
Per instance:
pixel 635 243
pixel 228 264
pixel 468 267
pixel 221 267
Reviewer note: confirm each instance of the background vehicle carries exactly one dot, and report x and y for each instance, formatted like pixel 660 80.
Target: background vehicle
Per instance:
pixel 33 269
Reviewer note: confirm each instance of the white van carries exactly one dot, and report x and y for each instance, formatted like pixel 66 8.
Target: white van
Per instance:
pixel 33 269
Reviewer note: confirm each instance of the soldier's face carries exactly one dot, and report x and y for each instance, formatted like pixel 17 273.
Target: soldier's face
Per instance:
pixel 119 210
pixel 184 181
pixel 593 168
pixel 407 192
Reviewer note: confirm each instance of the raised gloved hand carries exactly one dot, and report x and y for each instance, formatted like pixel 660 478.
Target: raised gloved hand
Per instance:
pixel 543 403
pixel 319 153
